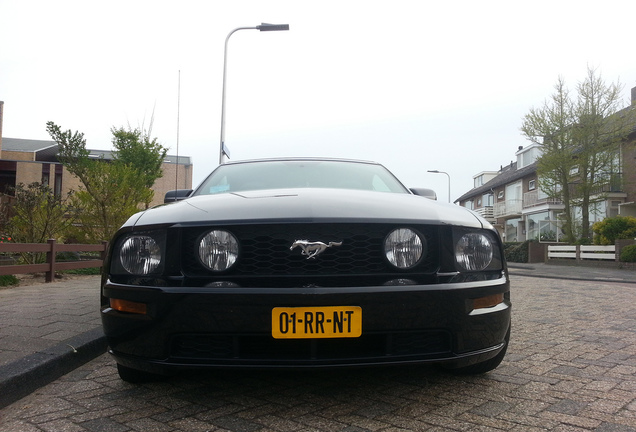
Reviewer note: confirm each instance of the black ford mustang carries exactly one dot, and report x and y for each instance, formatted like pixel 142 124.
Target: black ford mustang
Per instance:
pixel 304 263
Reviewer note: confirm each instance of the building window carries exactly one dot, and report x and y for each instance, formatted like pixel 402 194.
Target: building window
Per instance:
pixel 541 228
pixel 46 172
pixel 57 191
pixel 488 199
pixel 511 230
pixel 528 156
pixel 7 177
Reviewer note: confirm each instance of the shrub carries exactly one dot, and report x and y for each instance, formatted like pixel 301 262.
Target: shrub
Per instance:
pixel 611 229
pixel 39 215
pixel 628 253
pixel 516 252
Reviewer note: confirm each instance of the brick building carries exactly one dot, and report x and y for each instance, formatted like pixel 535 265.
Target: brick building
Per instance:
pixel 513 202
pixel 27 161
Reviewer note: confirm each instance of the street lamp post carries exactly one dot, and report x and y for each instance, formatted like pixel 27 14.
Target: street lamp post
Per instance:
pixel 442 172
pixel 223 151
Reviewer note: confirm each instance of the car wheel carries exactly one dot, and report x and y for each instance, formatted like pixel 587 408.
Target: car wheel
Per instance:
pixel 135 376
pixel 485 366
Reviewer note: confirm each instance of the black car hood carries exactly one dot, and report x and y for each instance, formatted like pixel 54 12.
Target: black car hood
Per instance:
pixel 308 205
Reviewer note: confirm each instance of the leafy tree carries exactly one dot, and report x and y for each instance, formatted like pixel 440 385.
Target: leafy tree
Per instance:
pixel 39 215
pixel 141 153
pixel 580 140
pixel 116 196
pixel 111 191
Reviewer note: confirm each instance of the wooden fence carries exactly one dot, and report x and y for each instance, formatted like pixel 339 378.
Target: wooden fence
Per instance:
pixel 51 248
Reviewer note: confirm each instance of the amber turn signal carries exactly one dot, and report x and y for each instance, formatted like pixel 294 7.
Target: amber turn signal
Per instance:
pixel 488 301
pixel 128 306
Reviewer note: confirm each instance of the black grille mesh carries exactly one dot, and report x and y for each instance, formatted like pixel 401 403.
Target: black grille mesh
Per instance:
pixel 384 346
pixel 265 250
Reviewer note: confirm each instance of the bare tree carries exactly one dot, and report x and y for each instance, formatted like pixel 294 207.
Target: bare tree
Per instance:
pixel 580 140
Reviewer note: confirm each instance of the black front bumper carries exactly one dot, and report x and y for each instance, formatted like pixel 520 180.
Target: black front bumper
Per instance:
pixel 231 327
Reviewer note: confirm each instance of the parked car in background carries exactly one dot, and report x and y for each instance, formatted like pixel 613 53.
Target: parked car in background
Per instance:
pixel 304 263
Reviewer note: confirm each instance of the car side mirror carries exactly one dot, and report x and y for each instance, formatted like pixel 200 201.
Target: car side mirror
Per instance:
pixel 426 193
pixel 176 195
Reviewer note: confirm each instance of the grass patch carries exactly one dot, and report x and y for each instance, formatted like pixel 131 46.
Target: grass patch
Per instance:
pixel 8 280
pixel 91 271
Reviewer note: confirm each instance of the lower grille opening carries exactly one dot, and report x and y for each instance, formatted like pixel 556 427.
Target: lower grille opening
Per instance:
pixel 265 349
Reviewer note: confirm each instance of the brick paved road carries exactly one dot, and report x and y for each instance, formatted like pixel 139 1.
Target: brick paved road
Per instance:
pixel 571 367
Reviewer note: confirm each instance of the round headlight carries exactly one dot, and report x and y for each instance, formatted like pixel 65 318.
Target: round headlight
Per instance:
pixel 140 255
pixel 473 251
pixel 403 248
pixel 218 250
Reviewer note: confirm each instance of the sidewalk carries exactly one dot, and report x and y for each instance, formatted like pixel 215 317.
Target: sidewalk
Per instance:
pixel 47 330
pixel 560 271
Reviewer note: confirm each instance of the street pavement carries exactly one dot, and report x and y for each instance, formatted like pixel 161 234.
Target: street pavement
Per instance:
pixel 48 330
pixel 570 367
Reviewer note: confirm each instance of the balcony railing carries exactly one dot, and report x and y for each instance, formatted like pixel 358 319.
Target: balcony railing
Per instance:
pixel 485 212
pixel 607 188
pixel 531 199
pixel 507 208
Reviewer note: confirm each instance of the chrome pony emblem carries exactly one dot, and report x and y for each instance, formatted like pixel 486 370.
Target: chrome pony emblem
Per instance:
pixel 313 249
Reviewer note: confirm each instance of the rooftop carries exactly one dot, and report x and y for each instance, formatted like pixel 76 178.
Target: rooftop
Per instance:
pixel 507 174
pixel 48 148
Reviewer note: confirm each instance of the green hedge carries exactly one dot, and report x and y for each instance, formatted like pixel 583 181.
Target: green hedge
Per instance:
pixel 516 251
pixel 628 254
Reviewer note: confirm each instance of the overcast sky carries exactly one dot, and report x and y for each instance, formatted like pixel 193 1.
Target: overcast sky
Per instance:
pixel 415 85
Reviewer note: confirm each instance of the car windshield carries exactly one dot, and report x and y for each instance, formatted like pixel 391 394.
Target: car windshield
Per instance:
pixel 286 174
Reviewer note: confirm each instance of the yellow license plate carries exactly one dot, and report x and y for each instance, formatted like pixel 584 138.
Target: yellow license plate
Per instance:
pixel 316 322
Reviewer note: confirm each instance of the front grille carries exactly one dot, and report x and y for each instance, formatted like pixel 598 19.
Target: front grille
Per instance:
pixel 378 347
pixel 265 250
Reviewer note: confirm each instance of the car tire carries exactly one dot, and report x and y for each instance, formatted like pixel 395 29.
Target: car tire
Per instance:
pixel 485 366
pixel 135 376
